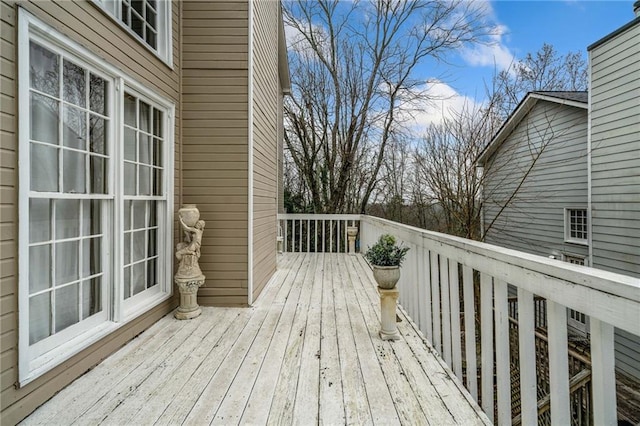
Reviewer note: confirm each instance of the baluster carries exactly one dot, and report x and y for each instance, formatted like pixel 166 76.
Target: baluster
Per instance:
pixel 300 235
pixel 324 225
pixel 603 377
pixel 286 243
pixel 527 353
pixel 558 363
pixel 503 367
pixel 330 235
pixel 486 342
pixel 456 332
pixel 446 309
pixel 435 302
pixel 315 235
pixel 308 236
pixel 470 331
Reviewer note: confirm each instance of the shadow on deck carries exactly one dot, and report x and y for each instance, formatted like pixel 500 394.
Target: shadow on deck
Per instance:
pixel 307 352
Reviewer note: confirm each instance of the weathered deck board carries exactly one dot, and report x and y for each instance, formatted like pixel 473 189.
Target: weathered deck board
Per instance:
pixel 307 352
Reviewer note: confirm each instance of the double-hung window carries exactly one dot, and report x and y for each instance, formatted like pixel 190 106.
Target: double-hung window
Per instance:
pixel 576 226
pixel 147 20
pixel 95 199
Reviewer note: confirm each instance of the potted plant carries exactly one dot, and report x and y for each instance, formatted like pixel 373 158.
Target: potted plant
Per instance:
pixel 386 257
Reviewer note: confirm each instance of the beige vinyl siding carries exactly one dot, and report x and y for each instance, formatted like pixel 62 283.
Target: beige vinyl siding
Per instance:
pixel 615 168
pixel 534 220
pixel 215 138
pixel 266 101
pixel 85 23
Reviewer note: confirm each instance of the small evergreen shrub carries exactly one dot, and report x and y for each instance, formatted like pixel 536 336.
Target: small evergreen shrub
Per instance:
pixel 385 252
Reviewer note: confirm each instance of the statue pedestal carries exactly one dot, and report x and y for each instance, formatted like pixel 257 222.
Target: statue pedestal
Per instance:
pixel 352 232
pixel 188 287
pixel 388 302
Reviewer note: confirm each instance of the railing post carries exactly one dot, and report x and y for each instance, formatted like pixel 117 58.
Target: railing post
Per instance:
pixel 603 377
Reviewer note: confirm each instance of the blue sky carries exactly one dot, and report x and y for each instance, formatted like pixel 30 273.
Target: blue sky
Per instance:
pixel 569 25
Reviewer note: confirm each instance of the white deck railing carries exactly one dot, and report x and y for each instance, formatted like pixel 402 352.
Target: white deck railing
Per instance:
pixel 316 233
pixel 437 290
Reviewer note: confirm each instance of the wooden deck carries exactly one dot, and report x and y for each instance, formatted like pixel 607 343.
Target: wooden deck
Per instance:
pixel 307 352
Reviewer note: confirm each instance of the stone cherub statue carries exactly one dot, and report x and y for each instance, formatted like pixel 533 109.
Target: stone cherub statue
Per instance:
pixel 189 277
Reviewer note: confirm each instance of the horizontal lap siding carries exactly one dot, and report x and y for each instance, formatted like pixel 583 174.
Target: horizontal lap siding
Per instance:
pixel 215 141
pixel 533 220
pixel 615 169
pixel 84 23
pixel 266 94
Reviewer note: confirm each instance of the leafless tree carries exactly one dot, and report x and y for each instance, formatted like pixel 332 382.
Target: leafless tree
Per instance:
pixel 352 70
pixel 544 70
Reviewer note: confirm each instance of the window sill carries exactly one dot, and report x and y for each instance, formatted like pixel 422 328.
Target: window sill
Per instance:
pixel 577 242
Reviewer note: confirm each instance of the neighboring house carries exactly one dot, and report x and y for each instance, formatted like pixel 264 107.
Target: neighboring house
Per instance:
pixel 114 113
pixel 562 175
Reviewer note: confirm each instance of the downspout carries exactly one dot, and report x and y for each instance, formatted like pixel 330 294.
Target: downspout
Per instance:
pixel 250 163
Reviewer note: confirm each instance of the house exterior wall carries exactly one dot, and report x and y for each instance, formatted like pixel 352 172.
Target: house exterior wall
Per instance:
pixel 266 128
pixel 615 156
pixel 615 166
pixel 215 81
pixel 533 221
pixel 86 24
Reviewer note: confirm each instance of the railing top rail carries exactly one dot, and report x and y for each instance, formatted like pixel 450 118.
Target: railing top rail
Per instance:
pixel 311 216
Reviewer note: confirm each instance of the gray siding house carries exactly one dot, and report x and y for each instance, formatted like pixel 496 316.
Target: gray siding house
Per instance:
pixel 562 175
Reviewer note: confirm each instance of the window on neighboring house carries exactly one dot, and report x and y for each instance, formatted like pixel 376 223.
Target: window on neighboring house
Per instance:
pixel 577 321
pixel 576 226
pixel 95 184
pixel 149 20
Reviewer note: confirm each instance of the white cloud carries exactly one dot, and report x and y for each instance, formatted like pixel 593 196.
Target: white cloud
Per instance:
pixel 493 53
pixel 440 101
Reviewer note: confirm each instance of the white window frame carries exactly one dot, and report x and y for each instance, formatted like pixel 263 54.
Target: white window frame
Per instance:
pixel 164 50
pixel 567 226
pixel 42 356
pixel 577 321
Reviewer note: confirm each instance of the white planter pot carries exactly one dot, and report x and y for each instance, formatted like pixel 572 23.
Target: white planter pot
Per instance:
pixel 386 276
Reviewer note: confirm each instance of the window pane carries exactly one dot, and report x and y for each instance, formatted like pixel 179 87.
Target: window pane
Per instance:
pixel 91 256
pixel 139 214
pixel 130 181
pixel 157 152
pixel 91 217
pixel 74 84
pixel 67 219
pixel 127 282
pixel 137 6
pixel 39 317
pixel 44 119
pixel 138 245
pixel 157 181
pixel 127 249
pixel 127 215
pixel 97 135
pixel 145 149
pixel 153 213
pixel 98 95
pixel 130 110
pixel 73 173
pixel 44 70
pixel 129 144
pixel 151 17
pixel 91 297
pixel 152 268
pixel 44 168
pixel 151 38
pixel 39 220
pixel 145 117
pixel 136 24
pixel 66 307
pixel 144 180
pixel 74 128
pixel 97 175
pixel 39 268
pixel 66 262
pixel 137 278
pixel 157 123
pixel 153 243
pixel 125 13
